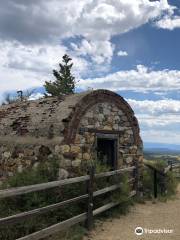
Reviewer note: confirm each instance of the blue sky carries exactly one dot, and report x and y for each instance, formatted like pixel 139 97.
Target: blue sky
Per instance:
pixel 127 46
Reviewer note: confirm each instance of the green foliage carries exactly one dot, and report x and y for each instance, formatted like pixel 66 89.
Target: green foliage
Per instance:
pixel 100 167
pixel 166 183
pixel 123 194
pixel 120 196
pixel 76 232
pixel 65 82
pixel 147 182
pixel 45 172
pixel 48 171
pixel 171 184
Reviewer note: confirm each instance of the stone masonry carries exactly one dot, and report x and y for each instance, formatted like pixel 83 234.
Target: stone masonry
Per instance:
pixel 66 129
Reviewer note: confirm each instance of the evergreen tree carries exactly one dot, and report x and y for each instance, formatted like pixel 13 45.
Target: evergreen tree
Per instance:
pixel 65 81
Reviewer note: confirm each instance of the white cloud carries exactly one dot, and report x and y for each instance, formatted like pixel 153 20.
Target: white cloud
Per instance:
pixel 160 113
pixel 99 51
pixel 13 79
pixel 141 79
pixel 100 20
pixel 33 58
pixel 31 47
pixel 122 54
pixel 159 120
pixel 156 108
pixel 27 66
pixel 97 21
pixel 169 22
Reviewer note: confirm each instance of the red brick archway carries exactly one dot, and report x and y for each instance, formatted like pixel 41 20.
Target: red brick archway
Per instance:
pixel 93 98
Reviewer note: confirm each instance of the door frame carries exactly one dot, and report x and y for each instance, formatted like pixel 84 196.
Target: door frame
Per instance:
pixel 113 137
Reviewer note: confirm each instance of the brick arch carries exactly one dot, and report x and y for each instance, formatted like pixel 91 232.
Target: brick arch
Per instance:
pixel 92 98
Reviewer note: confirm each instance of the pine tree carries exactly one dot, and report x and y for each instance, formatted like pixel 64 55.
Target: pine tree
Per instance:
pixel 65 81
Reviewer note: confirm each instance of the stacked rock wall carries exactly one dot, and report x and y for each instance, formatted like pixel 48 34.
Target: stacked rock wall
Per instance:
pixel 38 131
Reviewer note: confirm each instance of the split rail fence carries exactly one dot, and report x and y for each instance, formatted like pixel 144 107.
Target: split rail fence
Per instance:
pixel 87 216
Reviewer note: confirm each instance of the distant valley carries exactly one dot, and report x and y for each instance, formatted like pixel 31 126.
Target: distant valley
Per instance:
pixel 161 148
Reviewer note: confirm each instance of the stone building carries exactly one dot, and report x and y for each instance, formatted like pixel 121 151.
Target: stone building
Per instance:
pixel 80 128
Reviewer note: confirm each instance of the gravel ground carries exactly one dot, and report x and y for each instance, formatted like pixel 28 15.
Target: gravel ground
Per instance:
pixel 150 215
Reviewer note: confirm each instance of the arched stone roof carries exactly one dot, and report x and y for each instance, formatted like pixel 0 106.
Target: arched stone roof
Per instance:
pixel 40 117
pixel 90 99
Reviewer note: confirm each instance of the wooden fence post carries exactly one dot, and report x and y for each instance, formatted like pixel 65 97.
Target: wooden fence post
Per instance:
pixel 155 183
pixel 90 183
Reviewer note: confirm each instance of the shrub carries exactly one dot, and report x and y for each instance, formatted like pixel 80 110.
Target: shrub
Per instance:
pixel 166 183
pixel 46 172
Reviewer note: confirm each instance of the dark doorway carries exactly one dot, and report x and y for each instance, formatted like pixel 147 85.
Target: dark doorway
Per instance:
pixel 107 151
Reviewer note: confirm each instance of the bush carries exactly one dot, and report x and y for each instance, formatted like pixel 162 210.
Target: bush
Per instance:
pixel 46 172
pixel 120 195
pixel 166 183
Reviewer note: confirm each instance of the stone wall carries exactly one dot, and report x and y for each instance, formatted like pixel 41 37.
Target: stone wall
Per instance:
pixel 103 116
pixel 21 154
pixel 25 149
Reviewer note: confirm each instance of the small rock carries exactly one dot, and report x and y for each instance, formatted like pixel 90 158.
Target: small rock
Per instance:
pixel 106 111
pixel 36 165
pixel 6 155
pixel 64 148
pixel 57 149
pixel 97 124
pixel 50 156
pixel 20 168
pixel 124 118
pixel 62 174
pixel 120 113
pixel 86 156
pixel 76 163
pixel 129 132
pixel 129 160
pixel 89 114
pixel 100 117
pixel 75 149
pixel 80 156
pixel 67 163
pixel 20 155
pixel 107 127
pixel 29 152
pixel 115 126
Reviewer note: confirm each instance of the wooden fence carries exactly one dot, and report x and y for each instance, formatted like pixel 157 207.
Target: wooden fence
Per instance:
pixel 87 216
pixel 162 173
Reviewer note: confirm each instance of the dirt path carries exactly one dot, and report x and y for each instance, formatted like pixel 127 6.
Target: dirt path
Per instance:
pixel 150 216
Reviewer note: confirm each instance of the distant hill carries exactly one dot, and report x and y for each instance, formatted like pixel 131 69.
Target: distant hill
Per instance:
pixel 163 148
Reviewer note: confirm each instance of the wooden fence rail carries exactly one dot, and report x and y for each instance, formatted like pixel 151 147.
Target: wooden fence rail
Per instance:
pixel 87 216
pixel 162 172
pixel 39 187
